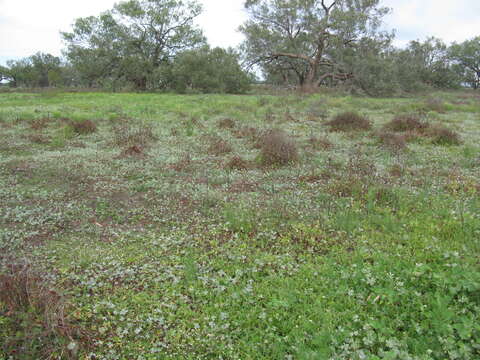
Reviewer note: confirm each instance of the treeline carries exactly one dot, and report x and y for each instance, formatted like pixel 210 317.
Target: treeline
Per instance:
pixel 155 45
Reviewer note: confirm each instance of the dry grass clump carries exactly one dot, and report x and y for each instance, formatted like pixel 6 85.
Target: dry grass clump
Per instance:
pixel 237 163
pixel 226 123
pixel 277 149
pixel 184 164
pixel 38 139
pixel 404 123
pixel 396 171
pixel 136 151
pixel 218 146
pixel 39 325
pixel 443 136
pixel 392 141
pixel 127 134
pixel 249 132
pixel 39 124
pixel 319 143
pixel 349 121
pixel 435 104
pixel 83 127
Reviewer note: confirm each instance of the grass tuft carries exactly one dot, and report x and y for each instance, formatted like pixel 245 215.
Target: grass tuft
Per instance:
pixel 349 121
pixel 277 149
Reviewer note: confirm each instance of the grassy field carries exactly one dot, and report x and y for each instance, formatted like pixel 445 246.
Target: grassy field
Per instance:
pixel 144 226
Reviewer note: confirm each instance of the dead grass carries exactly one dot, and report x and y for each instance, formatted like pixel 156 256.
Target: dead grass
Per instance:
pixel 127 134
pixel 319 143
pixel 404 123
pixel 226 123
pixel 435 104
pixel 39 139
pixel 83 127
pixel 392 141
pixel 218 146
pixel 237 163
pixel 277 148
pixel 136 151
pixel 39 323
pixel 39 124
pixel 349 121
pixel 443 136
pixel 184 164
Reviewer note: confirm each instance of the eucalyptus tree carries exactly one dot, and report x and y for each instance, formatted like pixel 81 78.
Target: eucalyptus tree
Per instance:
pixel 132 40
pixel 308 38
pixel 466 56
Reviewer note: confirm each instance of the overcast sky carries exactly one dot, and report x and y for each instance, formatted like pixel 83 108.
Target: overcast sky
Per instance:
pixel 28 26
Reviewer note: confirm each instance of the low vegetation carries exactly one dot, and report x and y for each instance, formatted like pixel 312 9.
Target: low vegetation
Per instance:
pixel 239 227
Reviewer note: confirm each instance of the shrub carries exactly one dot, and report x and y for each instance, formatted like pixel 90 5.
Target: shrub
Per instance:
pixel 443 136
pixel 403 123
pixel 349 121
pixel 83 127
pixel 277 148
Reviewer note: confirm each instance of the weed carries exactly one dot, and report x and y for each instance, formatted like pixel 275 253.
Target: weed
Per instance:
pixel 349 121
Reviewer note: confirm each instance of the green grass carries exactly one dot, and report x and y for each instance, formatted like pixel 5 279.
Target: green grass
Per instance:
pixel 161 251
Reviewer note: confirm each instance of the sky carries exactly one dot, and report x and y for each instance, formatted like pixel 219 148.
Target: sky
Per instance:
pixel 29 26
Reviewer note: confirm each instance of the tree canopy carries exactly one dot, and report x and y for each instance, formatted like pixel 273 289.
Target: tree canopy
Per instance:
pixel 133 39
pixel 308 38
pixel 466 56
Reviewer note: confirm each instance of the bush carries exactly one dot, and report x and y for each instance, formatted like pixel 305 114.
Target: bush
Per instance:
pixel 349 121
pixel 277 148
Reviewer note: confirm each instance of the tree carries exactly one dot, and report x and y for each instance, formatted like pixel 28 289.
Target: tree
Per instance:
pixel 208 70
pixel 467 59
pixel 308 37
pixel 131 41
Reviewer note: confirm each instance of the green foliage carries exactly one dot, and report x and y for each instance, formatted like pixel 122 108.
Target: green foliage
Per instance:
pixel 308 39
pixel 466 56
pixel 208 71
pixel 355 253
pixel 130 42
